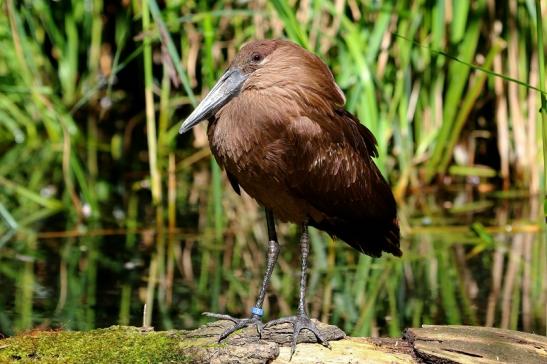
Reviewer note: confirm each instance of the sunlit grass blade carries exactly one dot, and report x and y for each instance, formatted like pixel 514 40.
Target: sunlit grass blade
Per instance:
pixel 543 95
pixel 292 26
pixel 171 49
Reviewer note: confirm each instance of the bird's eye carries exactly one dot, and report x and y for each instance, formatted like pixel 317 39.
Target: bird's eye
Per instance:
pixel 257 57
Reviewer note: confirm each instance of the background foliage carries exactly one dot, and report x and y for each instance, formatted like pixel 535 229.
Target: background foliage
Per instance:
pixel 105 208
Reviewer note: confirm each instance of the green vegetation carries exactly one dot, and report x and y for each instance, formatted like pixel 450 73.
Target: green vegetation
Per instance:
pixel 104 207
pixel 99 346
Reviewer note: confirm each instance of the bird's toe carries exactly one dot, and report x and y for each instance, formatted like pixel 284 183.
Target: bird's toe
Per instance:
pixel 220 316
pixel 239 323
pixel 283 320
pixel 227 332
pixel 259 328
pixel 300 322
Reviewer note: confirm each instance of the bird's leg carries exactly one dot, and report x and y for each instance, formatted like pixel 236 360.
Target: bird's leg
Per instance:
pixel 273 253
pixel 301 320
pixel 256 311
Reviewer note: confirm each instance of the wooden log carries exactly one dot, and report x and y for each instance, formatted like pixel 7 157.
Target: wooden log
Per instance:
pixel 472 344
pixel 245 346
pixel 430 344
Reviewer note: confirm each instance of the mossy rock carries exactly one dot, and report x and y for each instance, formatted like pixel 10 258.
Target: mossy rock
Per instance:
pixel 112 345
pixel 118 344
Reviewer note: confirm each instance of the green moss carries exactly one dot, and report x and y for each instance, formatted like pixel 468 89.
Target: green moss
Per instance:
pixel 117 344
pixel 201 342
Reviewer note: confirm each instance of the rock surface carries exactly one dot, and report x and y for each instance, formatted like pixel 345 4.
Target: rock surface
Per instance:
pixel 429 344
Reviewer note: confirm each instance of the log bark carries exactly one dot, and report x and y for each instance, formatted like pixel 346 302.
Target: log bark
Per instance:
pixel 429 344
pixel 245 346
pixel 471 344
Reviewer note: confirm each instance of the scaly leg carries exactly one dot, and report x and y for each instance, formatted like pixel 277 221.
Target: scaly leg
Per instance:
pixel 301 320
pixel 256 311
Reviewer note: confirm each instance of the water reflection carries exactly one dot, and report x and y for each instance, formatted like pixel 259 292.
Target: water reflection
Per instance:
pixel 467 260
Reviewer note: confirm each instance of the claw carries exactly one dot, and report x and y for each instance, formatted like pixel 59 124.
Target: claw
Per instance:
pixel 300 322
pixel 284 320
pixel 220 316
pixel 239 324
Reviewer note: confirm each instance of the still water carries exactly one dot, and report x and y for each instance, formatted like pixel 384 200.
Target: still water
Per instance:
pixel 468 259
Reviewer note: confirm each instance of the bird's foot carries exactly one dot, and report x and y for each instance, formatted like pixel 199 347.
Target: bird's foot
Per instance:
pixel 238 323
pixel 300 322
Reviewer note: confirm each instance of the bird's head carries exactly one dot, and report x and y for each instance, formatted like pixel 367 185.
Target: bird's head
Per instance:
pixel 278 66
pixel 252 57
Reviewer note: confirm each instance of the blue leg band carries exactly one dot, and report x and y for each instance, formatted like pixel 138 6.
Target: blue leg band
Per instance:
pixel 257 311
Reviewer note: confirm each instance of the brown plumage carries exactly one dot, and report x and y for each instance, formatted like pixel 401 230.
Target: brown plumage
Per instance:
pixel 288 142
pixel 277 125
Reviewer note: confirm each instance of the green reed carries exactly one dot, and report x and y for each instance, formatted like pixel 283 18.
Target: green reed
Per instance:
pixel 543 98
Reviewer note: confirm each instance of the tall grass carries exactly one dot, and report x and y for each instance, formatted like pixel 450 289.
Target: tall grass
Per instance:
pixel 93 173
pixel 543 97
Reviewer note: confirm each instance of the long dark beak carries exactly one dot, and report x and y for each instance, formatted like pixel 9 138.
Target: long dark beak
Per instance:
pixel 227 87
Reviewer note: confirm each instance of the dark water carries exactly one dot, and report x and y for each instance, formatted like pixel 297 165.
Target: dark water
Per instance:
pixel 467 260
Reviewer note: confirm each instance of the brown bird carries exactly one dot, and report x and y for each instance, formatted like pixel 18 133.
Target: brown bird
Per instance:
pixel 277 125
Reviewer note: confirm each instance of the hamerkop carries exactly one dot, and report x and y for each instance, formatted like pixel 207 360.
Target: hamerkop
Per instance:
pixel 277 125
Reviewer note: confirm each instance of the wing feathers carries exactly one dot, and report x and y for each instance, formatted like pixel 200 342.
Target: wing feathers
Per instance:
pixel 334 172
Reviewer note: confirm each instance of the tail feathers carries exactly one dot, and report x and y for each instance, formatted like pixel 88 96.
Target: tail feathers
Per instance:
pixel 371 238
